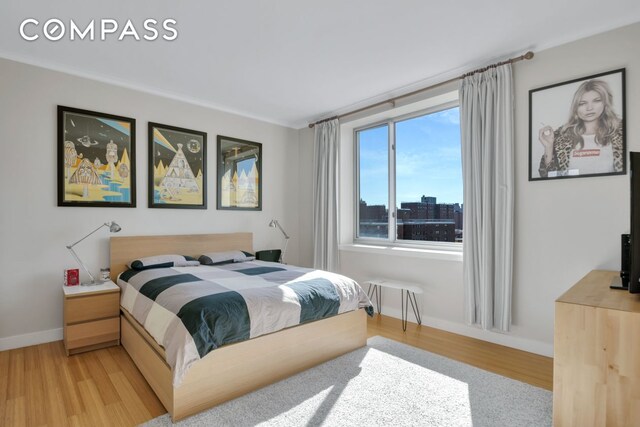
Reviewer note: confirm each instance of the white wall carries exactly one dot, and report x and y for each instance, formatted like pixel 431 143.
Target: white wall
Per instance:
pixel 566 228
pixel 305 197
pixel 34 231
pixel 563 229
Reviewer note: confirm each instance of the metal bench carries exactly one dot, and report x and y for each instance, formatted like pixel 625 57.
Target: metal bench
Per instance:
pixel 410 297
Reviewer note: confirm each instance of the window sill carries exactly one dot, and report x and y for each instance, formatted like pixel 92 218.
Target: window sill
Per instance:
pixel 443 255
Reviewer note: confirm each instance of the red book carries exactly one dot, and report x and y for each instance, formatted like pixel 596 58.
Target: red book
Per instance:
pixel 72 277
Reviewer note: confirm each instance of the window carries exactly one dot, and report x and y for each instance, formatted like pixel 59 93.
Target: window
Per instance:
pixel 409 178
pixel 373 152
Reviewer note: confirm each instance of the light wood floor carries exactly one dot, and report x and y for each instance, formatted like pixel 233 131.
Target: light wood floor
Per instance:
pixel 41 386
pixel 517 364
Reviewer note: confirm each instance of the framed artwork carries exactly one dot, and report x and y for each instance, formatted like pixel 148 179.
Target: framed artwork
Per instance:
pixel 96 159
pixel 239 174
pixel 177 167
pixel 577 128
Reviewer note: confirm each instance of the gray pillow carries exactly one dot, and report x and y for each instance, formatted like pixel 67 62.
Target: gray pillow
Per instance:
pixel 217 258
pixel 163 261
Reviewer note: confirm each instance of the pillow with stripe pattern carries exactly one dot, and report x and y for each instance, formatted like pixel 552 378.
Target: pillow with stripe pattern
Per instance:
pixel 163 261
pixel 217 258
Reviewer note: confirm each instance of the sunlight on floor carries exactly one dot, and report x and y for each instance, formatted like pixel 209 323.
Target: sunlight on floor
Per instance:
pixel 400 391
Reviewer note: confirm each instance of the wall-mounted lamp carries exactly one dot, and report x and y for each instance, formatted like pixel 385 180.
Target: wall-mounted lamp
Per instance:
pixel 273 224
pixel 113 228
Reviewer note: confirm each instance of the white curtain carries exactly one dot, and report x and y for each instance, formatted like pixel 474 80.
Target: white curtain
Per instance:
pixel 486 122
pixel 325 196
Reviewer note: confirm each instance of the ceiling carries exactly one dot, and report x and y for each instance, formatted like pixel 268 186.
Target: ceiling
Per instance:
pixel 294 61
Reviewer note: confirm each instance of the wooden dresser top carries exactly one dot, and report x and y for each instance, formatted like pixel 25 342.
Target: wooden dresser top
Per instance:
pixel 593 290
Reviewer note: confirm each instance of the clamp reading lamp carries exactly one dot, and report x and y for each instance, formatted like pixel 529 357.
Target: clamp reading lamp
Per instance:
pixel 113 228
pixel 273 224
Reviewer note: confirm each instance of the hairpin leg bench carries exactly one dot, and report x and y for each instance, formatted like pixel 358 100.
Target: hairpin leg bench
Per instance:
pixel 405 299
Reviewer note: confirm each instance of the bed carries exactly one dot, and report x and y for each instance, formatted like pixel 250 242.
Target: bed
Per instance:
pixel 234 369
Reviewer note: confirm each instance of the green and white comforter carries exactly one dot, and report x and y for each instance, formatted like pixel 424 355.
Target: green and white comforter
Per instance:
pixel 191 311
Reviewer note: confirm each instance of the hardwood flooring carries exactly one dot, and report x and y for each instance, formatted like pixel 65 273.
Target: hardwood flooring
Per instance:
pixel 517 364
pixel 41 386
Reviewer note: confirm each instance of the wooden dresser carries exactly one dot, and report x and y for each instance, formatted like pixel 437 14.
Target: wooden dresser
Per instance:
pixel 596 364
pixel 91 317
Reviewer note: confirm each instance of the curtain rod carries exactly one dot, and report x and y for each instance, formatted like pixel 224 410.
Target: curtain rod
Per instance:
pixel 393 100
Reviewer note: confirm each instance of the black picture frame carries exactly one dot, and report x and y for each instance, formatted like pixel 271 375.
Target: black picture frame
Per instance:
pixel 177 167
pixel 96 159
pixel 243 190
pixel 555 115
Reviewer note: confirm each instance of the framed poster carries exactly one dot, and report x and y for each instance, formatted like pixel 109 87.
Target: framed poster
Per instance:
pixel 177 167
pixel 577 128
pixel 239 174
pixel 96 159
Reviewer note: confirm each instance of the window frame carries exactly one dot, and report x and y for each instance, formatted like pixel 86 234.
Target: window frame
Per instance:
pixel 392 220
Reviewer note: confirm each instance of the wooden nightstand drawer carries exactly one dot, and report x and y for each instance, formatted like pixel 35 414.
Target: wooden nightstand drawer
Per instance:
pixel 82 308
pixel 91 317
pixel 91 333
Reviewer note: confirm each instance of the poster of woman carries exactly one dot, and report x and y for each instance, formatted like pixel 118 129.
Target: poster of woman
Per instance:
pixel 577 128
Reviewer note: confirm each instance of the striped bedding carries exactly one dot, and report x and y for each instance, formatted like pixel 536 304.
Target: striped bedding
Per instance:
pixel 191 311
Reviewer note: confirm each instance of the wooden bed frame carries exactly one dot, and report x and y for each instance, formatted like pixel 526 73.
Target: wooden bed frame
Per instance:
pixel 232 370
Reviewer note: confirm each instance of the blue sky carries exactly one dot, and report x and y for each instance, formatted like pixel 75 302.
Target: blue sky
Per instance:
pixel 428 160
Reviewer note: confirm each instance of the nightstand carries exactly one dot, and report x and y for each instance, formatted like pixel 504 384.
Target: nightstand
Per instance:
pixel 91 317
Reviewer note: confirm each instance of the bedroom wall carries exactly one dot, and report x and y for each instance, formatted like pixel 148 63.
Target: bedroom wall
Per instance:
pixel 34 231
pixel 563 228
pixel 305 197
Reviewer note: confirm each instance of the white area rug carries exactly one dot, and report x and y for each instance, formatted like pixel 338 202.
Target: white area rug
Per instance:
pixel 385 384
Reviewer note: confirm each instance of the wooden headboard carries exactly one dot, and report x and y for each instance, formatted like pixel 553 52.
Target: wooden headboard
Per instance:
pixel 128 248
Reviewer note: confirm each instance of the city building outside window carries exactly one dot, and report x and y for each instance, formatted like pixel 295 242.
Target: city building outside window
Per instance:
pixel 409 179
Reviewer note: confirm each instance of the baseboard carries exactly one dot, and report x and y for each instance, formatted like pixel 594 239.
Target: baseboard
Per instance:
pixel 532 346
pixel 26 340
